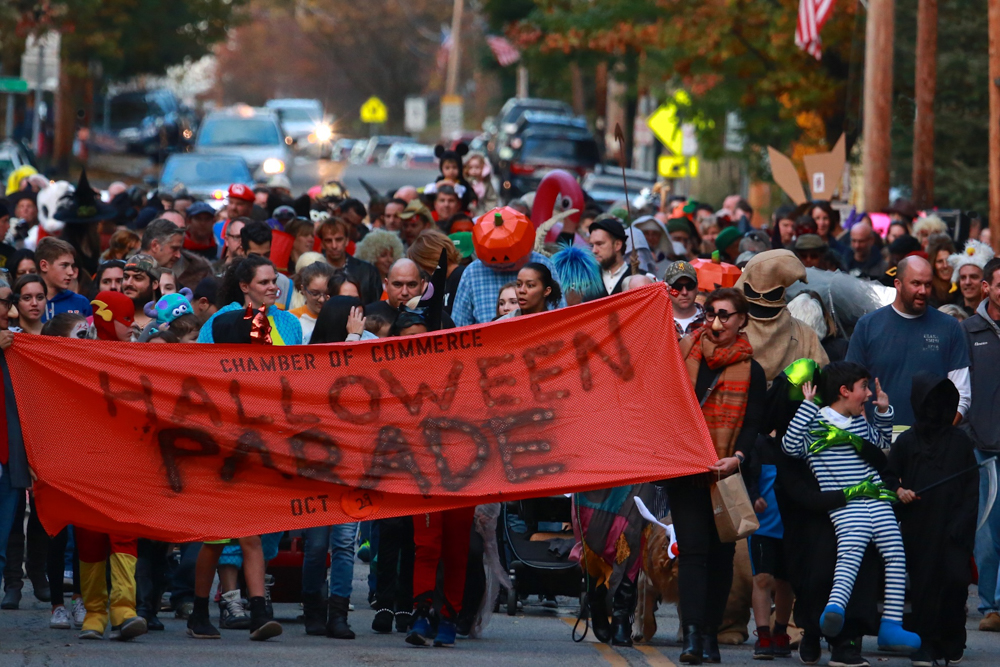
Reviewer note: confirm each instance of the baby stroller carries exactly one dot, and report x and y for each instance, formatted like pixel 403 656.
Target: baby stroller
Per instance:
pixel 535 544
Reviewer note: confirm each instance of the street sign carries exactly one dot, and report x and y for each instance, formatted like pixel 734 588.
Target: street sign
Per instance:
pixel 48 67
pixel 677 166
pixel 416 114
pixel 452 117
pixel 735 140
pixel 373 111
pixel 10 84
pixel 663 123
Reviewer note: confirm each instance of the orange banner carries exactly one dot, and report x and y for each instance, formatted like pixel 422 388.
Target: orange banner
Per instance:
pixel 190 442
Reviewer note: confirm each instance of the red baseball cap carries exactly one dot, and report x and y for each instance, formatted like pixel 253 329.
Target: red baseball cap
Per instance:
pixel 240 191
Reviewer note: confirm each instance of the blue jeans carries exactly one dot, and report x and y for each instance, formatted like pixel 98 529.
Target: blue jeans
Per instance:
pixel 8 512
pixel 987 545
pixel 340 541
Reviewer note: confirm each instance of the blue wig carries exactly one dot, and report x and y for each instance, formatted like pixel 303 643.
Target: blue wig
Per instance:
pixel 579 272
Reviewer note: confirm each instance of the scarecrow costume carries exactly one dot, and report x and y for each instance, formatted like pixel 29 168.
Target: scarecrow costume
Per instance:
pixel 939 528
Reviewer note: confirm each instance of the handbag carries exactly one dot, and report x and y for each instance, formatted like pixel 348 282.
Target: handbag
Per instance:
pixel 734 515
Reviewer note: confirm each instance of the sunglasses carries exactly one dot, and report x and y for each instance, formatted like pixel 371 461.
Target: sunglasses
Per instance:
pixel 682 285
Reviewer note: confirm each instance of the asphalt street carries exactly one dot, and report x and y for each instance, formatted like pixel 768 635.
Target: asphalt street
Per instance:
pixel 308 172
pixel 533 637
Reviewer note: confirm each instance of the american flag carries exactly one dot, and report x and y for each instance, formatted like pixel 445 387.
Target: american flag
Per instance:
pixel 444 51
pixel 812 15
pixel 505 52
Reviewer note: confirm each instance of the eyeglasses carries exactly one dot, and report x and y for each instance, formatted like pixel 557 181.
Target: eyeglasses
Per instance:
pixel 723 316
pixel 234 237
pixel 316 294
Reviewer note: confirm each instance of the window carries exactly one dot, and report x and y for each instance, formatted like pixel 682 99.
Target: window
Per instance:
pixel 239 132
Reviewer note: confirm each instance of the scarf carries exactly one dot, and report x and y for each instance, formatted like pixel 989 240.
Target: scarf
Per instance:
pixel 726 404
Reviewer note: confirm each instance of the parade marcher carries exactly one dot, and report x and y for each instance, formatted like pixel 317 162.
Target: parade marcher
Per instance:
pixel 982 332
pixel 239 204
pixel 896 341
pixel 81 213
pixel 967 274
pixel 580 275
pixel 380 249
pixel 682 278
pixel 414 219
pixel 141 283
pixel 29 290
pixel 939 249
pixel 730 385
pixel 939 525
pixel 827 221
pixel 334 234
pixel 607 241
pixel 426 252
pixel 303 231
pixel 56 266
pixel 830 438
pixel 22 263
pixel 507 300
pixel 865 258
pixel 110 276
pixel 312 282
pixel 198 236
pixel 536 291
pixel 163 240
pixel 255 239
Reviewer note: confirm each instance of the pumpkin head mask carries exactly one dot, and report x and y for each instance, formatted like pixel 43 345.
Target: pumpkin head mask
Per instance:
pixel 503 239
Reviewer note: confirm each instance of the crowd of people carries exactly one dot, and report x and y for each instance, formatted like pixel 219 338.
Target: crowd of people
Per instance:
pixel 804 378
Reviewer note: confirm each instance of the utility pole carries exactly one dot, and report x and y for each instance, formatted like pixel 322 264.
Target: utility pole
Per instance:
pixel 994 21
pixel 926 85
pixel 878 102
pixel 453 54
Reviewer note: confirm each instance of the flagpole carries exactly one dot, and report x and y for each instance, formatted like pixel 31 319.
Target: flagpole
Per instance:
pixel 453 53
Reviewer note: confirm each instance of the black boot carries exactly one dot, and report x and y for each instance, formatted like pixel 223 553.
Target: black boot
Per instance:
pixel 336 623
pixel 597 602
pixel 621 613
pixel 314 612
pixel 710 649
pixel 262 627
pixel 691 653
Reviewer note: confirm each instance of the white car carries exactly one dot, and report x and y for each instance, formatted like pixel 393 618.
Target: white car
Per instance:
pixel 419 156
pixel 395 155
pixel 252 134
pixel 305 122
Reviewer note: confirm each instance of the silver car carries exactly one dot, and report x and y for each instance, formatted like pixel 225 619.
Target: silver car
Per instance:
pixel 252 134
pixel 206 177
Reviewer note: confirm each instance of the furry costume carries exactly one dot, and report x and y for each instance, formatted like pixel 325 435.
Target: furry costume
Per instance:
pixel 777 338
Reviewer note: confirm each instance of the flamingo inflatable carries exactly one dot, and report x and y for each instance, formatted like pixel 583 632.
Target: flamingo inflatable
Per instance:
pixel 558 187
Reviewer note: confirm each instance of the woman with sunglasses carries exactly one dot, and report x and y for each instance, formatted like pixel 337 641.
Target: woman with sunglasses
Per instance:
pixel 29 297
pixel 312 283
pixel 730 386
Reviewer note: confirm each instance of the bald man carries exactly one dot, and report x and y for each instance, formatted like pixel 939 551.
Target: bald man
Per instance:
pixel 403 282
pixel 407 193
pixel 635 282
pixel 866 259
pixel 905 337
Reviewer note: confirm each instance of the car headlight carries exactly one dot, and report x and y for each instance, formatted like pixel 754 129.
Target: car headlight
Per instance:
pixel 323 133
pixel 273 165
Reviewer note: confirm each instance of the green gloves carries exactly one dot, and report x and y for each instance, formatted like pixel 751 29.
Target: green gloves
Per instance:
pixel 828 436
pixel 870 489
pixel 798 373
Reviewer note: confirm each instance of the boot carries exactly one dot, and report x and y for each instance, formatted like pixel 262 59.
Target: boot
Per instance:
pixel 621 613
pixel 314 612
pixel 597 602
pixel 710 649
pixel 336 623
pixel 262 628
pixel 691 653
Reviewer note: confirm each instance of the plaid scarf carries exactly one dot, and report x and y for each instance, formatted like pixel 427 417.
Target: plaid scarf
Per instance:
pixel 726 404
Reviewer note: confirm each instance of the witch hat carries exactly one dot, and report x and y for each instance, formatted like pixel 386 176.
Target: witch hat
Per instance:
pixel 84 206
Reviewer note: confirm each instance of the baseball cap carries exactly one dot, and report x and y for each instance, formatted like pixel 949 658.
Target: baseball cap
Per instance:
pixel 726 238
pixel 810 242
pixel 145 264
pixel 200 208
pixel 677 270
pixel 611 225
pixel 240 191
pixel 463 243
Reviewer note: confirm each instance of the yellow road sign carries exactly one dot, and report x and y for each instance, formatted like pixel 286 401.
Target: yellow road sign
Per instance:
pixel 373 111
pixel 677 166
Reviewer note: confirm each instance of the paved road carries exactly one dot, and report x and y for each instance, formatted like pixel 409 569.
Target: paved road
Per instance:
pixel 309 172
pixel 536 636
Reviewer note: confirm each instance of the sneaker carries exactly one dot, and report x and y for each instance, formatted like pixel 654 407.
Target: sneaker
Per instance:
pixel 90 634
pixel 201 628
pixel 404 621
pixel 60 619
pixel 266 629
pixel 268 585
pixel 954 657
pixel 232 612
pixel 810 650
pixel 365 552
pixel 79 612
pixel 922 658
pixel 129 629
pixel 419 634
pixel 990 622
pixel 445 634
pixel 781 645
pixel 762 649
pixel 847 653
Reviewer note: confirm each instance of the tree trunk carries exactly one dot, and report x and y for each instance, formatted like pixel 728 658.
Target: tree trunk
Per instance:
pixel 878 102
pixel 926 85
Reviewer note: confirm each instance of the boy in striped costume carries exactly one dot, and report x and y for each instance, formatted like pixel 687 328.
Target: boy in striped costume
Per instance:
pixel 829 438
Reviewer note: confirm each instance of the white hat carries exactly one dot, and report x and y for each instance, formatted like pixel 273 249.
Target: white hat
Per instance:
pixel 975 253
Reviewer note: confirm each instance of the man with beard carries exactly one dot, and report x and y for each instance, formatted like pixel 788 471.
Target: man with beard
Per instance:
pixel 163 240
pixel 905 337
pixel 607 241
pixel 142 285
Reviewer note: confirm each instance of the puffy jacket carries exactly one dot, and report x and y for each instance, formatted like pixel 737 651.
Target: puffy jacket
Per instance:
pixel 983 336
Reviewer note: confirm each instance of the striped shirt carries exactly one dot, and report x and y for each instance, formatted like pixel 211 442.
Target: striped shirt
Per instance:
pixel 840 466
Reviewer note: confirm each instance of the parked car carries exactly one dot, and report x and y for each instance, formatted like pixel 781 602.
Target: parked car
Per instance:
pixel 394 156
pixel 206 177
pixel 144 122
pixel 420 157
pixel 341 149
pixel 305 122
pixel 253 134
pixel 605 185
pixel 503 125
pixel 358 151
pixel 14 155
pixel 535 152
pixel 379 146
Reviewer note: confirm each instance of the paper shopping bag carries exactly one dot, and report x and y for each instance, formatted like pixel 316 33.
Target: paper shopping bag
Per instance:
pixel 734 515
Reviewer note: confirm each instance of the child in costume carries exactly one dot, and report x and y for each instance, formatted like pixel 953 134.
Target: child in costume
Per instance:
pixel 829 439
pixel 450 164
